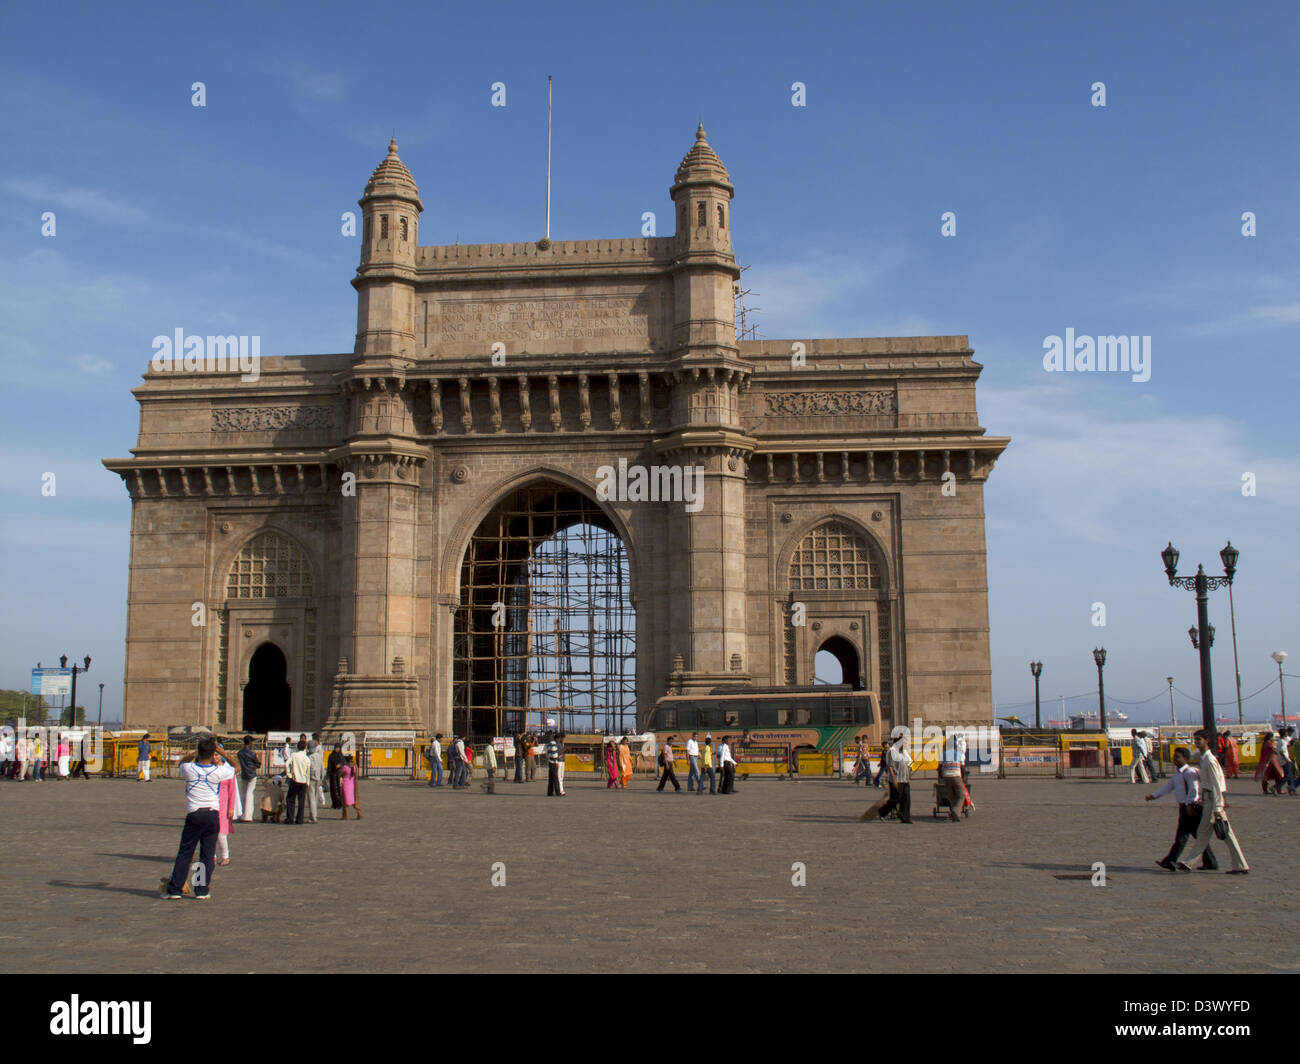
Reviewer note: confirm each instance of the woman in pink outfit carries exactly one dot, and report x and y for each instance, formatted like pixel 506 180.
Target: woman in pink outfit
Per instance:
pixel 227 810
pixel 348 787
pixel 611 766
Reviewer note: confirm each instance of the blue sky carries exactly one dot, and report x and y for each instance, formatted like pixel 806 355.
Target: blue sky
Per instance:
pixel 1117 220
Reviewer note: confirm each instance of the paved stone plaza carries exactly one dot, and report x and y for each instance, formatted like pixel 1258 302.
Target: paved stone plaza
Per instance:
pixel 605 881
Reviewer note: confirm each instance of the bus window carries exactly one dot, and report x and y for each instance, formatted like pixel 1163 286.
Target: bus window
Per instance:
pixel 668 718
pixel 782 717
pixel 731 718
pixel 802 716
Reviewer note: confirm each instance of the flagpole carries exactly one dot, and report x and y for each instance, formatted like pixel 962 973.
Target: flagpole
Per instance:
pixel 548 156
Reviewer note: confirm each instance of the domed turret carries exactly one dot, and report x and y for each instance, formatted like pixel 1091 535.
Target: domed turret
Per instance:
pixel 702 191
pixel 391 210
pixel 385 279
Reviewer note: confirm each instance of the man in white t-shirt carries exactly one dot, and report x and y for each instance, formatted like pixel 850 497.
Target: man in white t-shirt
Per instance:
pixel 694 778
pixel 203 775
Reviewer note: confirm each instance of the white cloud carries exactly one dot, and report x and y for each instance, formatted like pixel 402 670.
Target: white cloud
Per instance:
pixel 91 202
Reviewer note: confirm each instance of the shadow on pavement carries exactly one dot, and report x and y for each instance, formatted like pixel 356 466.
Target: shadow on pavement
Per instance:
pixel 103 886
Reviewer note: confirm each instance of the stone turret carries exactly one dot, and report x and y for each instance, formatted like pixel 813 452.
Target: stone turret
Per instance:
pixel 390 209
pixel 704 268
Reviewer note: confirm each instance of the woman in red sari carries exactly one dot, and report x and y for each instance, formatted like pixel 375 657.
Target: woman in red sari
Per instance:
pixel 1270 766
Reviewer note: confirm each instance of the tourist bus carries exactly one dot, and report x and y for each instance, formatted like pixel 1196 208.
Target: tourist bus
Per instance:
pixel 824 718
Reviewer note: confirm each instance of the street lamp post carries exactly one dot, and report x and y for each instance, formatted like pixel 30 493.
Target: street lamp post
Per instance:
pixel 1099 656
pixel 101 707
pixel 1280 656
pixel 1036 667
pixel 1172 719
pixel 1203 585
pixel 63 664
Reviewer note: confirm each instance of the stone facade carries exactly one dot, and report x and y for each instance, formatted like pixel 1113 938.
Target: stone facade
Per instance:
pixel 326 506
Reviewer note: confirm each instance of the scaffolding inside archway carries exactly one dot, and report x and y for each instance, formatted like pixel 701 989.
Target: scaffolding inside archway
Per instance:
pixel 545 627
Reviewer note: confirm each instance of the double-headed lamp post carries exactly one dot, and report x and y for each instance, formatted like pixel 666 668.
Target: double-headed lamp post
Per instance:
pixel 1204 638
pixel 1036 667
pixel 1099 656
pixel 63 664
pixel 1280 656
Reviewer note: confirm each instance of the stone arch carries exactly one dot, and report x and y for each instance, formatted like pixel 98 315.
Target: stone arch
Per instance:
pixel 884 594
pixel 458 541
pixel 270 559
pixel 268 695
pixel 847 653
pixel 530 634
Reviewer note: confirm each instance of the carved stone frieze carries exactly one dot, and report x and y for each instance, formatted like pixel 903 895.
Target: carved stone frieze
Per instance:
pixel 271 418
pixel 824 404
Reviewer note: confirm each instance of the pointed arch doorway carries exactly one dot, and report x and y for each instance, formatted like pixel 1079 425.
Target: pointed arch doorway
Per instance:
pixel 267 695
pixel 837 661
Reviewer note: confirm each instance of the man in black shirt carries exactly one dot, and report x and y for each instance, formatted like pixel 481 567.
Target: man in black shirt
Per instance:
pixel 250 762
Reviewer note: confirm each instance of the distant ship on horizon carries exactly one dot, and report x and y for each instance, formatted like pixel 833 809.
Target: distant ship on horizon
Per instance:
pixel 1093 719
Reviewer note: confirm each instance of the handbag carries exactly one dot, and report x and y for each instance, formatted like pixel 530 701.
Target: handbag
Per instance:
pixel 1221 828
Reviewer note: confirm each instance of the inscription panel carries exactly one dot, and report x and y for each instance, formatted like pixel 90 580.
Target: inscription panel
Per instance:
pixel 606 321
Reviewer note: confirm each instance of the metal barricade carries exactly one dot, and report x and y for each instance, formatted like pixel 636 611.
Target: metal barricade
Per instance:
pixel 1030 754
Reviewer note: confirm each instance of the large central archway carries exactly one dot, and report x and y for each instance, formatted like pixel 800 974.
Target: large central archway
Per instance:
pixel 545 626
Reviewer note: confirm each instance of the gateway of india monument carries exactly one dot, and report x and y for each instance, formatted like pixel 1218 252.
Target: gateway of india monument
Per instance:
pixel 550 479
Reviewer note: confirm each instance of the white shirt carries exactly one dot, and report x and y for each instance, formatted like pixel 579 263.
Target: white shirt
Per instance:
pixel 692 748
pixel 724 755
pixel 1185 784
pixel 437 750
pixel 203 783
pixel 1212 782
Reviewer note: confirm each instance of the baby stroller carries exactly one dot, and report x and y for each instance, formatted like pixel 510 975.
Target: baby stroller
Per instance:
pixel 942 805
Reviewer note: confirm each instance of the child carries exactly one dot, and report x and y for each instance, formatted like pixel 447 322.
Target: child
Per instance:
pixel 348 785
pixel 227 810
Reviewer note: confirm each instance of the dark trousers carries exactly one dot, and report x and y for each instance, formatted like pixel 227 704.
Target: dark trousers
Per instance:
pixel 519 768
pixel 900 798
pixel 553 779
pixel 668 774
pixel 1189 818
pixel 336 795
pixel 80 770
pixel 298 794
pixel 200 830
pixel 728 779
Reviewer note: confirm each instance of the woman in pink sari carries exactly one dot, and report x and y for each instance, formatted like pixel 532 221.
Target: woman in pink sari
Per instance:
pixel 1270 766
pixel 611 766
